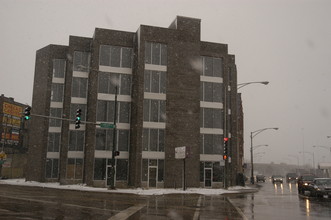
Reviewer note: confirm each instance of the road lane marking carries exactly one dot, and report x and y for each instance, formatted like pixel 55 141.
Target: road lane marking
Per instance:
pixel 197 210
pixel 127 212
pixel 238 209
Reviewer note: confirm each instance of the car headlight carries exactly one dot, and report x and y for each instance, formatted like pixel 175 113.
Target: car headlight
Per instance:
pixel 306 184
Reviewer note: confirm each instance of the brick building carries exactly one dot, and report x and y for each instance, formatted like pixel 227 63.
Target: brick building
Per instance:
pixel 173 90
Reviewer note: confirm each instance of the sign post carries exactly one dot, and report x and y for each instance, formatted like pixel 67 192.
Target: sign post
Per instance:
pixel 181 153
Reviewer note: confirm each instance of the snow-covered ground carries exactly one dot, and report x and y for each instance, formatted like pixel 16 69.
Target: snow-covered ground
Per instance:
pixel 139 191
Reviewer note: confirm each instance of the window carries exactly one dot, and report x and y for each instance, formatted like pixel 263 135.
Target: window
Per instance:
pixel 105 111
pixel 211 92
pixel 59 66
pixel 54 142
pixel 155 82
pixel 217 171
pixel 52 168
pixel 153 139
pixel 115 56
pixel 76 140
pixel 146 163
pixel 75 168
pixel 211 118
pixel 212 67
pixel 57 92
pixel 104 139
pixel 55 112
pixel 155 53
pixel 79 87
pixel 100 168
pixel 154 110
pixel 108 81
pixel 73 109
pixel 211 144
pixel 81 61
pixel 121 169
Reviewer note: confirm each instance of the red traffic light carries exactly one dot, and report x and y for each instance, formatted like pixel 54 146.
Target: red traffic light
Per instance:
pixel 226 139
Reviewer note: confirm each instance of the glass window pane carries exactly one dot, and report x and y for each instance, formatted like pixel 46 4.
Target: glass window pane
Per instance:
pixel 99 169
pixel 156 54
pixel 123 140
pixel 146 109
pixel 202 169
pixel 111 111
pixel 147 81
pixel 101 110
pixel 114 81
pixel 217 92
pixel 57 92
pixel 154 110
pixel 115 59
pixel 201 144
pixel 109 139
pixel 163 83
pixel 72 140
pixel 164 54
pixel 217 172
pixel 124 112
pixel 55 170
pixel 217 118
pixel 208 86
pixel 208 118
pixel 148 52
pixel 145 139
pixel 144 173
pixel 121 169
pixel 103 83
pixel 208 66
pixel 208 143
pixel 79 169
pixel 218 144
pixel 155 82
pixel 161 140
pixel 71 168
pixel 125 84
pixel 104 55
pixel 80 141
pixel 162 111
pixel 100 139
pixel 126 57
pixel 153 139
pixel 160 171
pixel 217 67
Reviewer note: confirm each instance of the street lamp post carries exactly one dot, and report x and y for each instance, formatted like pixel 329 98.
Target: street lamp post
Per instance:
pixel 240 85
pixel 253 134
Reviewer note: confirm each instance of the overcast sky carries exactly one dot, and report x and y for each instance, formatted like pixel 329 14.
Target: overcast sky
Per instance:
pixel 285 42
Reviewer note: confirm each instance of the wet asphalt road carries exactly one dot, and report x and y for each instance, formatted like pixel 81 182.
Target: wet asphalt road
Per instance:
pixel 18 202
pixel 281 201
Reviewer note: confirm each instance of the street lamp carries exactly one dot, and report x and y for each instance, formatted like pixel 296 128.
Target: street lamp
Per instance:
pixel 253 134
pixel 240 85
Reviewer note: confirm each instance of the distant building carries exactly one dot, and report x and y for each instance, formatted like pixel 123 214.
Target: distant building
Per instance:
pixel 12 145
pixel 174 90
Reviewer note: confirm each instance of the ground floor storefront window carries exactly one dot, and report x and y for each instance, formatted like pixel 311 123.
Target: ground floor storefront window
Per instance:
pixel 211 173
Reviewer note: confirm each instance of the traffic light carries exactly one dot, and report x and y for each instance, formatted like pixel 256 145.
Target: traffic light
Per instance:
pixel 225 148
pixel 27 113
pixel 117 153
pixel 78 117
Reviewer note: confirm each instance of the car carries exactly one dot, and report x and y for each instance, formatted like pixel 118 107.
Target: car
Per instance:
pixel 291 177
pixel 320 187
pixel 304 181
pixel 260 178
pixel 277 179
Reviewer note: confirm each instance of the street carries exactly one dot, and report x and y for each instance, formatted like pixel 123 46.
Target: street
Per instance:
pixel 281 201
pixel 272 201
pixel 17 202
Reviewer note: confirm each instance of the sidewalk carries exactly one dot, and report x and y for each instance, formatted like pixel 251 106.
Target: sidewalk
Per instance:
pixel 138 191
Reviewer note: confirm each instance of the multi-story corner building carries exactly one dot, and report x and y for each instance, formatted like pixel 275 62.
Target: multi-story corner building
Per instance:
pixel 13 142
pixel 171 90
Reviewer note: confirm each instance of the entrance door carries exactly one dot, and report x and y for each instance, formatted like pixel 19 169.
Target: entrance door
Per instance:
pixel 208 175
pixel 152 174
